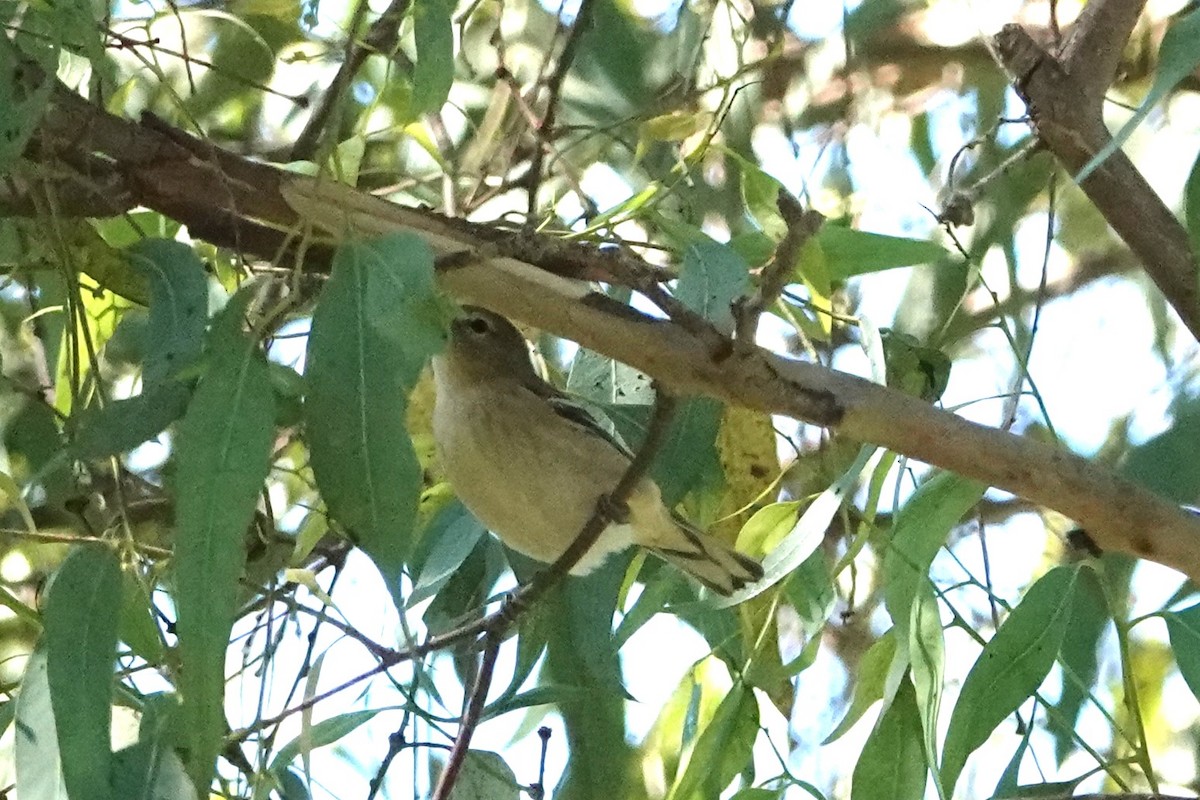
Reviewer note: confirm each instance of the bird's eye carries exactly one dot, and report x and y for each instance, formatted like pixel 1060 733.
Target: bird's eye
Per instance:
pixel 479 325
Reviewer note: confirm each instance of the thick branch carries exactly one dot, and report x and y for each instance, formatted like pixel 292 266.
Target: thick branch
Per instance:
pixel 1065 99
pixel 234 202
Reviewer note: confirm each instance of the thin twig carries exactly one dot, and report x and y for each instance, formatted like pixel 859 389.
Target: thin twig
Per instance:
pixel 483 682
pixel 802 225
pixel 545 131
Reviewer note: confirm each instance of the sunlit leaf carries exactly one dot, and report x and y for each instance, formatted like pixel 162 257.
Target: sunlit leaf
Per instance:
pixel 722 748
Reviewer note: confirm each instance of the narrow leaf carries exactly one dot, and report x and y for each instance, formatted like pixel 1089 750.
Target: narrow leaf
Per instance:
pixel 1183 628
pixel 224 455
pixel 1177 58
pixel 82 608
pixel 920 530
pixel 325 732
pixel 433 72
pixel 1010 668
pixel 849 252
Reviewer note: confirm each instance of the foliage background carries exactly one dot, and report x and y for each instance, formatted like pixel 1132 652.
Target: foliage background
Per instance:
pixel 670 128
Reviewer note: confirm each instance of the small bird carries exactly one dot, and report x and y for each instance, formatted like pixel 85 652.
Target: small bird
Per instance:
pixel 531 465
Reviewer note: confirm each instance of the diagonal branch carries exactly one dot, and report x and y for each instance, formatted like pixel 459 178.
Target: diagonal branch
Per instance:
pixel 233 202
pixel 1065 96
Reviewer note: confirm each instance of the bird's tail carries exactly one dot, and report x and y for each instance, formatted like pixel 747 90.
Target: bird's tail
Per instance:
pixel 709 560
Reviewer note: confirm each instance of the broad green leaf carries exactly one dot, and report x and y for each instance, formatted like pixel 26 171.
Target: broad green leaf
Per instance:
pixel 433 72
pixel 1183 628
pixel 892 764
pixel 325 732
pixel 849 252
pixel 83 605
pixel 38 761
pixel 178 307
pixel 1011 667
pixel 600 379
pixel 223 457
pixel 451 536
pixel 1177 58
pixel 376 324
pixel 920 530
pixel 485 776
pixel 872 675
pixel 723 747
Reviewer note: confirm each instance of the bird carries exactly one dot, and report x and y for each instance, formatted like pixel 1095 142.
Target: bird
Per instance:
pixel 531 464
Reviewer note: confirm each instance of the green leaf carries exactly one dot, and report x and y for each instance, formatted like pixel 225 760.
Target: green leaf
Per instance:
pixel 1177 58
pixel 927 653
pixel 485 776
pixel 138 627
pixel 1183 628
pixel 712 276
pixel 178 311
pixel 1011 667
pixel 325 732
pixel 872 677
pixel 1080 659
pixel 124 424
pixel 376 324
pixel 150 769
pixel 723 747
pixel 23 96
pixel 1191 207
pixel 920 530
pixel 38 761
pixel 223 456
pixel 451 535
pixel 849 252
pixel 806 534
pixel 433 72
pixel 81 613
pixel 892 763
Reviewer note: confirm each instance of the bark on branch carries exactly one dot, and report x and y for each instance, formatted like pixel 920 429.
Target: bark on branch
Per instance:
pixel 1065 97
pixel 262 210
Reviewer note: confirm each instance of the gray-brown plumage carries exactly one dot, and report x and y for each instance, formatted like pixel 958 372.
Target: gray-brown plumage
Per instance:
pixel 532 466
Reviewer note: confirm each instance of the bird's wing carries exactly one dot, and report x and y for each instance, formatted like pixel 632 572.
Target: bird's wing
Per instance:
pixel 577 414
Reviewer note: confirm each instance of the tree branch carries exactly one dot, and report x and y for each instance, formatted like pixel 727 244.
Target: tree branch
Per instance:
pixel 233 202
pixel 1065 97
